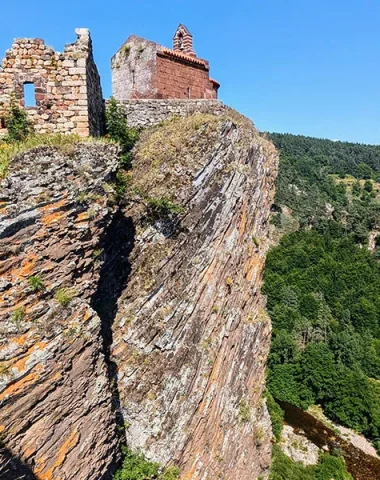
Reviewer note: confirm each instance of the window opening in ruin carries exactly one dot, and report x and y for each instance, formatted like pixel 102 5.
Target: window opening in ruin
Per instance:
pixel 2 123
pixel 180 41
pixel 188 92
pixel 29 95
pixel 133 78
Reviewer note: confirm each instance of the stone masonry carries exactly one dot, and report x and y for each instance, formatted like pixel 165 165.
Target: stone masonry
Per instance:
pixel 144 69
pixel 149 112
pixel 68 95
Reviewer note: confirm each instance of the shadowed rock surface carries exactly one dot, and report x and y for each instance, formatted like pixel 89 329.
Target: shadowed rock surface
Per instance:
pixel 56 412
pixel 191 336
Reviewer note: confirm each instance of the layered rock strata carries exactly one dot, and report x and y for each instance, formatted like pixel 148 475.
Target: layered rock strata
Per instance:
pixel 146 318
pixel 191 336
pixel 56 414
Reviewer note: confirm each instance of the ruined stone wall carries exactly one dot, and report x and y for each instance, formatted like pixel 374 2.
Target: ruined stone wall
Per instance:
pixel 177 78
pixel 67 86
pixel 148 112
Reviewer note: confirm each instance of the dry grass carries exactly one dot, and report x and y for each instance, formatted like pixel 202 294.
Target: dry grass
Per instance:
pixel 8 151
pixel 166 153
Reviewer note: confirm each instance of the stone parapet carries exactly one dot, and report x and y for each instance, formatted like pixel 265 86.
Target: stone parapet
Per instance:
pixel 149 112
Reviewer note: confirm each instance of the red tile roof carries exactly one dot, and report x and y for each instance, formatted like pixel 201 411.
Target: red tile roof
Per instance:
pixel 183 56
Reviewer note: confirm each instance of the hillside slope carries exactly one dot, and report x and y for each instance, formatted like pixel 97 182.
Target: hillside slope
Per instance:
pixel 323 283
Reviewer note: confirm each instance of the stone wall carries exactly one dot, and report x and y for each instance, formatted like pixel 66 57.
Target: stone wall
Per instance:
pixel 148 112
pixel 68 96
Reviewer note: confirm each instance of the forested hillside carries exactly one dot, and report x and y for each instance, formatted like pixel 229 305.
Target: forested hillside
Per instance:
pixel 323 281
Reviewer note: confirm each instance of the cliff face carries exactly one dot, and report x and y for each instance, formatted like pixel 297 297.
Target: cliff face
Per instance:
pixel 191 336
pixel 56 412
pixel 147 318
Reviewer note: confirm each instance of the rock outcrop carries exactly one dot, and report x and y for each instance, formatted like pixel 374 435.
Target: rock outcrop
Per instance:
pixel 191 335
pixel 56 413
pixel 145 317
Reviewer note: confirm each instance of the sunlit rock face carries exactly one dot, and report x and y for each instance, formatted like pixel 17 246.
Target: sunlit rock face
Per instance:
pixel 56 414
pixel 191 336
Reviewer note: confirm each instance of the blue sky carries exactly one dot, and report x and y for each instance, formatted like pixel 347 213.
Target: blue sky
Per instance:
pixel 300 66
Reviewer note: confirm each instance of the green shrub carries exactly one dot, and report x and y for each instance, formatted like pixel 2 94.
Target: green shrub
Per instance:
pixel 17 123
pixel 276 415
pixel 328 468
pixel 368 186
pixel 136 467
pixel 64 296
pixel 36 283
pixel 161 208
pixel 331 467
pixel 244 411
pixel 118 130
pixel 18 316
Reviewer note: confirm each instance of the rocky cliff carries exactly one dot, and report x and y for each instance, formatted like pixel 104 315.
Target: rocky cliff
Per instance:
pixel 145 318
pixel 56 413
pixel 191 336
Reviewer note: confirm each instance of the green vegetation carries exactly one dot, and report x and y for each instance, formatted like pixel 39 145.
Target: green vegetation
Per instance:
pixel 160 208
pixel 329 467
pixel 322 283
pixel 136 467
pixel 18 317
pixel 36 283
pixel 64 296
pixel 307 186
pixel 276 415
pixel 118 131
pixel 244 411
pixel 17 123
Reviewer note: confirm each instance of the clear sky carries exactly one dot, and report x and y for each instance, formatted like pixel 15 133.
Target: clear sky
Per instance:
pixel 308 67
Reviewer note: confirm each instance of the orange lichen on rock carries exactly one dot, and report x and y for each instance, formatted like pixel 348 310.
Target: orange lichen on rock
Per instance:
pixel 20 385
pixel 66 447
pixel 20 365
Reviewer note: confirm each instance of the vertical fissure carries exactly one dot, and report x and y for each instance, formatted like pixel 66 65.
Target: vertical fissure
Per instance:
pixel 116 245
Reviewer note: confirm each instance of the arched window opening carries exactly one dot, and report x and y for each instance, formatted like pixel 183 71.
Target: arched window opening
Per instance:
pixel 29 95
pixel 180 41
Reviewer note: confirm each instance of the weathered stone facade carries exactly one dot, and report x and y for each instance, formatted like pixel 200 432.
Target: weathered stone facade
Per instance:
pixel 145 69
pixel 149 112
pixel 68 95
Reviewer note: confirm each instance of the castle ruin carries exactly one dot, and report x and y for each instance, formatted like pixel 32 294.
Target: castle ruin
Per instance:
pixel 152 82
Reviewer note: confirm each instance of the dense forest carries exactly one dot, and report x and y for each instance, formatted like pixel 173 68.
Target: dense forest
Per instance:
pixel 323 285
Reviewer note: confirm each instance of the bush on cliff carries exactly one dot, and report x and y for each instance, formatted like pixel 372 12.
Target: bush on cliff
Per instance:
pixel 136 467
pixel 118 130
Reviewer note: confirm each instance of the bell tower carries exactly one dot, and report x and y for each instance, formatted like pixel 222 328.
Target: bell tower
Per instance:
pixel 183 41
